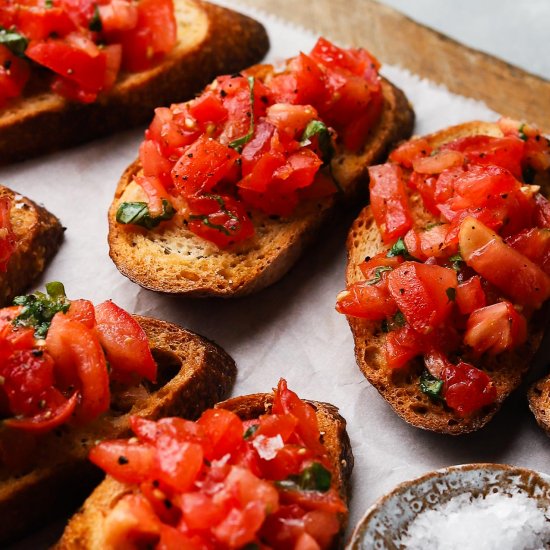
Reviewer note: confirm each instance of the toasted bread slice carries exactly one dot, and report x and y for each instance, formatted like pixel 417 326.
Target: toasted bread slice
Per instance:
pixel 539 402
pixel 39 235
pixel 40 476
pixel 84 531
pixel 401 387
pixel 172 259
pixel 211 39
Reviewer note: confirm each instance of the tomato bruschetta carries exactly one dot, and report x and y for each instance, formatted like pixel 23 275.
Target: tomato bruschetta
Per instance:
pixel 231 186
pixel 29 238
pixel 74 70
pixel 264 470
pixel 73 373
pixel 448 270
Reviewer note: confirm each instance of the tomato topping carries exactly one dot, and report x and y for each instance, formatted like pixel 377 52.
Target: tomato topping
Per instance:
pixel 124 342
pixel 261 139
pixel 389 201
pixel 423 293
pixel 193 484
pixel 366 300
pixel 533 244
pixel 14 74
pixel 470 295
pixel 52 365
pixel 495 328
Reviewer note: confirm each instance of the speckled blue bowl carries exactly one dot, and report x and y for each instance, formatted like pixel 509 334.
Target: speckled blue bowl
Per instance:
pixel 386 522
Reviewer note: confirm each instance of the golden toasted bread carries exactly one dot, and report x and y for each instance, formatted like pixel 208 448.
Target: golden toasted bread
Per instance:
pixel 211 39
pixel 84 531
pixel 401 387
pixel 172 259
pixel 539 402
pixel 41 475
pixel 38 234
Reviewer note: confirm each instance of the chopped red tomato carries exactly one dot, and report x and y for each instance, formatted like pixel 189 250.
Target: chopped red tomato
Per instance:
pixel 533 244
pixel 125 342
pixel 202 470
pixel 423 293
pixel 389 201
pixel 14 74
pixel 470 295
pixel 366 300
pixel 438 162
pixel 402 345
pixel 495 328
pixel 503 266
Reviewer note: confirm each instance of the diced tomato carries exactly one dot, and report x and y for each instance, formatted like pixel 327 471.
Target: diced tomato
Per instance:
pixel 495 328
pixel 410 150
pixel 402 345
pixel 424 293
pixel 434 242
pixel 40 22
pixel 82 311
pixel 124 341
pixel 154 163
pixel 118 15
pixel 389 201
pixel 155 192
pixel 272 202
pixel 438 162
pixel 367 301
pixel 113 60
pixel 172 131
pixel 542 211
pixel 77 354
pixel 291 119
pixel 202 166
pixel 501 265
pixel 467 389
pixel 219 219
pixel 224 429
pixel 483 150
pixel 240 526
pixel 470 295
pixel 208 108
pixel 533 244
pixel 14 74
pixel 298 172
pixel 371 265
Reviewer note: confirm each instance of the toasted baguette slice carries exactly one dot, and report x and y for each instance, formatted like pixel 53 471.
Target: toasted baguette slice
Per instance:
pixel 401 387
pixel 539 402
pixel 39 477
pixel 84 531
pixel 211 40
pixel 172 259
pixel 39 235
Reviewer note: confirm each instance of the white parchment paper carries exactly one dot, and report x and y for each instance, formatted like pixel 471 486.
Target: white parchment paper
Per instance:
pixel 290 330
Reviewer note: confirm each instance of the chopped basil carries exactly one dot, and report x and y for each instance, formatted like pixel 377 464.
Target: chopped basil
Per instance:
pixel 319 129
pixel 137 213
pixel 39 308
pixel 400 249
pixel 48 3
pixel 430 385
pixel 456 260
pixel 14 41
pixel 95 22
pixel 313 478
pixel 378 274
pixel 206 219
pixel 251 431
pixel 451 294
pixel 239 143
pixel 521 133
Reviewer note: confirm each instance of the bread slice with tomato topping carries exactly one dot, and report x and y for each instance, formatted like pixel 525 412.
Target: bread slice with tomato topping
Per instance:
pixel 242 232
pixel 88 529
pixel 499 343
pixel 210 39
pixel 42 475
pixel 29 238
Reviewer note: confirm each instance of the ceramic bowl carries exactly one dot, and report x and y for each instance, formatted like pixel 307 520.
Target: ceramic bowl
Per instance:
pixel 386 522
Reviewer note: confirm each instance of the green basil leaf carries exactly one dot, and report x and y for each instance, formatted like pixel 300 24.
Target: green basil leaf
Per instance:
pixel 14 41
pixel 39 308
pixel 521 133
pixel 313 478
pixel 48 3
pixel 239 143
pixel 319 129
pixel 251 431
pixel 378 274
pixel 95 22
pixel 430 385
pixel 456 261
pixel 137 213
pixel 400 249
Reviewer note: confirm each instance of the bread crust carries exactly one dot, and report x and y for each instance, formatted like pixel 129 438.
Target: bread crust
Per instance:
pixel 174 260
pixel 42 476
pixel 211 39
pixel 84 529
pixel 39 234
pixel 538 396
pixel 401 387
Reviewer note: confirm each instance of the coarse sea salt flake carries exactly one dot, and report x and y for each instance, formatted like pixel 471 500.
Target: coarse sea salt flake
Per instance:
pixel 267 447
pixel 495 522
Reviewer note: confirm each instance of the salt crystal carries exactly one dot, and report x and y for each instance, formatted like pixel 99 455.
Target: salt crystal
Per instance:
pixel 495 522
pixel 267 447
